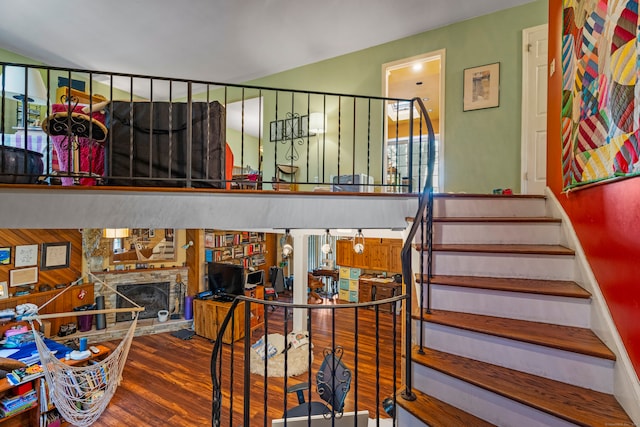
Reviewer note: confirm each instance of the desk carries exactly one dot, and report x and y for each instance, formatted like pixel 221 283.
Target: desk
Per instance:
pixel 332 289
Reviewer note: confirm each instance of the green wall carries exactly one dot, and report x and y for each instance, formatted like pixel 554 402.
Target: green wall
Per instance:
pixel 482 147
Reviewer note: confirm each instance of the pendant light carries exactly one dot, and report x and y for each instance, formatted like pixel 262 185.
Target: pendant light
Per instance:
pixel 358 242
pixel 326 245
pixel 287 245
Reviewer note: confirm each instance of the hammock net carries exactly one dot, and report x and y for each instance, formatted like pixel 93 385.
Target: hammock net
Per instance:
pixel 82 393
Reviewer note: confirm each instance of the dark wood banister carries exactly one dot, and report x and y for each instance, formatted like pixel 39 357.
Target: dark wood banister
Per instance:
pixel 425 205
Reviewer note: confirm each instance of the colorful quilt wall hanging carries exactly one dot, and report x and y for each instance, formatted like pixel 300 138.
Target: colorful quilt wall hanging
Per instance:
pixel 600 92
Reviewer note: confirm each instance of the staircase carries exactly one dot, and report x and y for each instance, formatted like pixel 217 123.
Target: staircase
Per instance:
pixel 508 339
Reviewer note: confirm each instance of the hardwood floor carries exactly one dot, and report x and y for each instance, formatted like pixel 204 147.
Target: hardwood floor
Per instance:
pixel 167 381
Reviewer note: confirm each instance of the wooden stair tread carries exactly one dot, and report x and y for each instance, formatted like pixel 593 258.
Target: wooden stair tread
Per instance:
pixel 561 288
pixel 568 338
pixel 516 219
pixel 436 413
pixel 502 249
pixel 574 404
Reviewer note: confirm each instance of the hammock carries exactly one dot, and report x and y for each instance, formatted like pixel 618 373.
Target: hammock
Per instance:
pixel 82 393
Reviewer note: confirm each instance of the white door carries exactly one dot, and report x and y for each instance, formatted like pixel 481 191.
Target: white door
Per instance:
pixel 534 110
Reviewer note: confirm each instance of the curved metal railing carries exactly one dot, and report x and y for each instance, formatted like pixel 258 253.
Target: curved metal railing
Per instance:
pixel 366 332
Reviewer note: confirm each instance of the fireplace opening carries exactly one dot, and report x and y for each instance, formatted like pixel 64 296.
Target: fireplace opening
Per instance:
pixel 152 296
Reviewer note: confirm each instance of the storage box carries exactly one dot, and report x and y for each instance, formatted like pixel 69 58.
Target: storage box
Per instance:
pixel 353 296
pixel 354 285
pixel 343 295
pixel 344 284
pixel 355 273
pixel 344 273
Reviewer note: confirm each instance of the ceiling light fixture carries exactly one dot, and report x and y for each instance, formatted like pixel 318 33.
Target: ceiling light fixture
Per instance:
pixel 326 245
pixel 358 242
pixel 287 245
pixel 115 233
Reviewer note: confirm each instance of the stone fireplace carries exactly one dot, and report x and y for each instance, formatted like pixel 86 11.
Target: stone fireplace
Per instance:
pixel 157 290
pixel 152 296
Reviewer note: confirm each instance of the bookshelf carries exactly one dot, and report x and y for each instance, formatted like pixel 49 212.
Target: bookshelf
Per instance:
pixel 236 247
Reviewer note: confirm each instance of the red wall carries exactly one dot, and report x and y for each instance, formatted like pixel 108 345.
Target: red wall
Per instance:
pixel 606 217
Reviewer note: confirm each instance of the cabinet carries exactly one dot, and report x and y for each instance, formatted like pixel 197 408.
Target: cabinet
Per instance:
pixel 33 115
pixel 379 254
pixel 395 256
pixel 208 316
pixel 256 310
pixel 375 289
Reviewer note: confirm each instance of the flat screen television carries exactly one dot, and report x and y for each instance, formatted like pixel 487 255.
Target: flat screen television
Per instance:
pixel 225 279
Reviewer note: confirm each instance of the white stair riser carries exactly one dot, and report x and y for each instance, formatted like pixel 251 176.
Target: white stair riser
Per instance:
pixel 531 266
pixel 572 368
pixel 480 402
pixel 496 233
pixel 491 207
pixel 515 305
pixel 405 419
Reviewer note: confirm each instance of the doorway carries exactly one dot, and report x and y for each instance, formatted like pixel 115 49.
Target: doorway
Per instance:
pixel 534 110
pixel 418 76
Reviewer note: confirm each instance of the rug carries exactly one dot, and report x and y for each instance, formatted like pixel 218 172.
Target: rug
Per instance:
pixel 297 355
pixel 600 131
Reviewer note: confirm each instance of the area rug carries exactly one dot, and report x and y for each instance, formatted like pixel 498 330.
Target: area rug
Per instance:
pixel 600 115
pixel 295 352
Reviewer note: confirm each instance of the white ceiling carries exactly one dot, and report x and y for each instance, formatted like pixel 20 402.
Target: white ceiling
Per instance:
pixel 216 40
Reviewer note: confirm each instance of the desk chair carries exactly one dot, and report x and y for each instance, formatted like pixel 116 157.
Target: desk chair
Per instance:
pixel 315 286
pixel 333 381
pixel 276 281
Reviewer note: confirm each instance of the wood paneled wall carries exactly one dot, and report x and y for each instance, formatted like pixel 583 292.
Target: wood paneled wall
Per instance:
pixel 14 237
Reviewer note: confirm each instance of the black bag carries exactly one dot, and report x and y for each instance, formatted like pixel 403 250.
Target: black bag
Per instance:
pixel 152 142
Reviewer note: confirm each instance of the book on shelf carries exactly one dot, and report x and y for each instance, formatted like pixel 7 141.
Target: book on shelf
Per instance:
pixel 20 375
pixel 15 404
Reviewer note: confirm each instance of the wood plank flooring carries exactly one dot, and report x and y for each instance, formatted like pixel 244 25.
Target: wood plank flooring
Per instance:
pixel 167 381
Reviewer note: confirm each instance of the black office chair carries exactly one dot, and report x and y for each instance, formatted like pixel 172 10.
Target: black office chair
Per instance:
pixel 333 383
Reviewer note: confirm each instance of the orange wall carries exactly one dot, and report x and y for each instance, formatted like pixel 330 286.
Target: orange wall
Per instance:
pixel 606 217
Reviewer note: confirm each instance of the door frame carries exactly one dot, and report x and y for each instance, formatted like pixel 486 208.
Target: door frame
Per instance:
pixel 400 63
pixel 526 106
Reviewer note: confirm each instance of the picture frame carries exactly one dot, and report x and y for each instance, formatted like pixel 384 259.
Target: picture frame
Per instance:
pixel 26 255
pixel 55 255
pixel 291 128
pixel 4 290
pixel 23 276
pixel 145 245
pixel 5 256
pixel 481 87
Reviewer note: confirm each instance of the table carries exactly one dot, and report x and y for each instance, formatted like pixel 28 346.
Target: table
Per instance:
pixel 331 288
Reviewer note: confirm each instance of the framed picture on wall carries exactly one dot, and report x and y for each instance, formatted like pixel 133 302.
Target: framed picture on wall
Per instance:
pixel 23 276
pixel 5 256
pixel 4 290
pixel 26 255
pixel 481 87
pixel 55 255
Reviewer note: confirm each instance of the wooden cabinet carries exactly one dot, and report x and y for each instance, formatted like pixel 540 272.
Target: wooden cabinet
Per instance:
pixel 208 316
pixel 395 253
pixel 379 254
pixel 371 289
pixel 257 310
pixel 344 251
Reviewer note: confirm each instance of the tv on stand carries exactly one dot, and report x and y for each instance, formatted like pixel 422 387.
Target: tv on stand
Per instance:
pixel 226 281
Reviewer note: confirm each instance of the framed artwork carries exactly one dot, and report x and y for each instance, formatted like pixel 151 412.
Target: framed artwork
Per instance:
pixel 26 255
pixel 55 255
pixel 481 87
pixel 5 256
pixel 4 290
pixel 145 245
pixel 294 127
pixel 23 276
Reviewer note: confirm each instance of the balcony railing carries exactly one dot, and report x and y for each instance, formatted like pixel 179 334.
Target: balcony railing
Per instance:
pixel 105 128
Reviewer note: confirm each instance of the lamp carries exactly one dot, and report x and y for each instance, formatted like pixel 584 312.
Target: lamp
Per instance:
pixel 287 245
pixel 317 125
pixel 115 233
pixel 358 242
pixel 25 84
pixel 326 246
